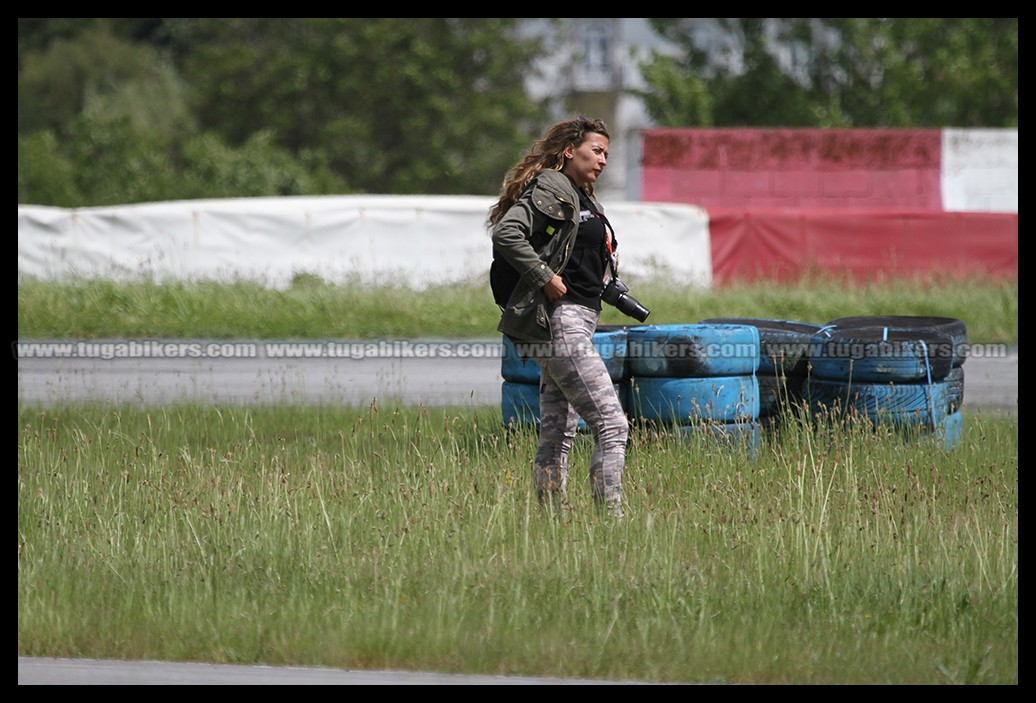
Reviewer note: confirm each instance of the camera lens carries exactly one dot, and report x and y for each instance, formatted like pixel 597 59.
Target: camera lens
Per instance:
pixel 615 294
pixel 632 307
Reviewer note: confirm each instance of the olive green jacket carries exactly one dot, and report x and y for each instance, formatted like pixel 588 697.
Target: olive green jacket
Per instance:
pixel 536 236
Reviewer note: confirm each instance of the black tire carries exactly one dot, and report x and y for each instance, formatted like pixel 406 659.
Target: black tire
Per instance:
pixel 783 344
pixel 950 326
pixel 779 394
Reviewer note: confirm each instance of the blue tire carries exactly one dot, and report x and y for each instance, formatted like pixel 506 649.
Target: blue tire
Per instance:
pixel 516 369
pixel 901 404
pixel 692 351
pixel 948 432
pixel 880 354
pixel 610 344
pixel 520 403
pixel 945 434
pixel 684 401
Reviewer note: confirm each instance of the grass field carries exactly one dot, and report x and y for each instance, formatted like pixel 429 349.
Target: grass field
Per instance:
pixel 311 309
pixel 409 538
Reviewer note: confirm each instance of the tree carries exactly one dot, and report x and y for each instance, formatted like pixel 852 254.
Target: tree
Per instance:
pixel 435 105
pixel 105 121
pixel 836 72
pixel 178 107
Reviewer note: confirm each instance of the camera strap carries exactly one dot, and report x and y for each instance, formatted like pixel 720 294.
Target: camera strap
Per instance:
pixel 609 236
pixel 609 232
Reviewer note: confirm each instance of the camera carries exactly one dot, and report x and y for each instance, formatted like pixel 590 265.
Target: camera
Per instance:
pixel 617 293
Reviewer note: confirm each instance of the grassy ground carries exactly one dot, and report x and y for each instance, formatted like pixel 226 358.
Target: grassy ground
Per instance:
pixel 393 537
pixel 408 538
pixel 311 309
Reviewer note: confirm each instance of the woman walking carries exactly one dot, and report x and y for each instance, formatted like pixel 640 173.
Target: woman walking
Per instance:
pixel 553 252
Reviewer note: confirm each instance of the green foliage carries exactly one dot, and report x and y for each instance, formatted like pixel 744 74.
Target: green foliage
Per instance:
pixel 54 84
pixel 143 109
pixel 399 106
pixel 838 72
pixel 45 175
pixel 199 108
pixel 929 72
pixel 213 169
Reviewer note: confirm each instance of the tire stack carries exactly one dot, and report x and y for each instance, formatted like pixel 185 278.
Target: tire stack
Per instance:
pixel 520 391
pixel 696 379
pixel 900 371
pixel 783 365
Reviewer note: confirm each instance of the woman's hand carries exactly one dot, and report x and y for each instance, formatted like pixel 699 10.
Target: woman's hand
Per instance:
pixel 555 288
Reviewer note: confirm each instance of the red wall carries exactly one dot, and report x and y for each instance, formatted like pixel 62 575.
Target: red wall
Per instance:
pixel 783 245
pixel 794 168
pixel 863 202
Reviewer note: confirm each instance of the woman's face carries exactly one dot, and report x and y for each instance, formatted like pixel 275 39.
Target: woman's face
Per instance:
pixel 584 163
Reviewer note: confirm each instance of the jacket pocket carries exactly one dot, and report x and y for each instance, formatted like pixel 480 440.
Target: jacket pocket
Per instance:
pixel 542 318
pixel 527 318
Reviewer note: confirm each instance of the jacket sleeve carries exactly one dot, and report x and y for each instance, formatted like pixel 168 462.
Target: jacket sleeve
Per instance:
pixel 537 210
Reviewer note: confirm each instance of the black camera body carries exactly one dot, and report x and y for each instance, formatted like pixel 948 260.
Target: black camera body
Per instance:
pixel 617 293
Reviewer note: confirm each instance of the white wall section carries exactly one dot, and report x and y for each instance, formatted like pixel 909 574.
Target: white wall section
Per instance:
pixel 980 170
pixel 412 240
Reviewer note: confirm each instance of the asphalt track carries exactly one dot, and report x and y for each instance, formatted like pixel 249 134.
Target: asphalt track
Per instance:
pixel 424 372
pixel 432 373
pixel 37 671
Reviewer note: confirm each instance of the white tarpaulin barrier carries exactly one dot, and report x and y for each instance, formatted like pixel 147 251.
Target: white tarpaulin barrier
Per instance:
pixel 415 240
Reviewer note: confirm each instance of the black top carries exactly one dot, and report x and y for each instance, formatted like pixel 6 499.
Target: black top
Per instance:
pixel 584 273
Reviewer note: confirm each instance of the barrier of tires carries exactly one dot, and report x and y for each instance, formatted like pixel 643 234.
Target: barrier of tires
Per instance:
pixel 727 378
pixel 697 381
pixel 902 371
pixel 955 329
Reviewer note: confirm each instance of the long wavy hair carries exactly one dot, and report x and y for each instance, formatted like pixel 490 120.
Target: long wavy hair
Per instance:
pixel 546 153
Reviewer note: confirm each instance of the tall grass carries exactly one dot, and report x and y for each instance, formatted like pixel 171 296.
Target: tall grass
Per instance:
pixel 312 309
pixel 408 538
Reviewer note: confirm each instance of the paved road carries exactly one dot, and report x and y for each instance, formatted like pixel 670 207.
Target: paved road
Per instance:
pixel 423 372
pixel 87 672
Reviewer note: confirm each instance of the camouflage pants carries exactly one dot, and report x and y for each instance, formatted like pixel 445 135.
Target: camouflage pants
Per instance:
pixel 574 383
